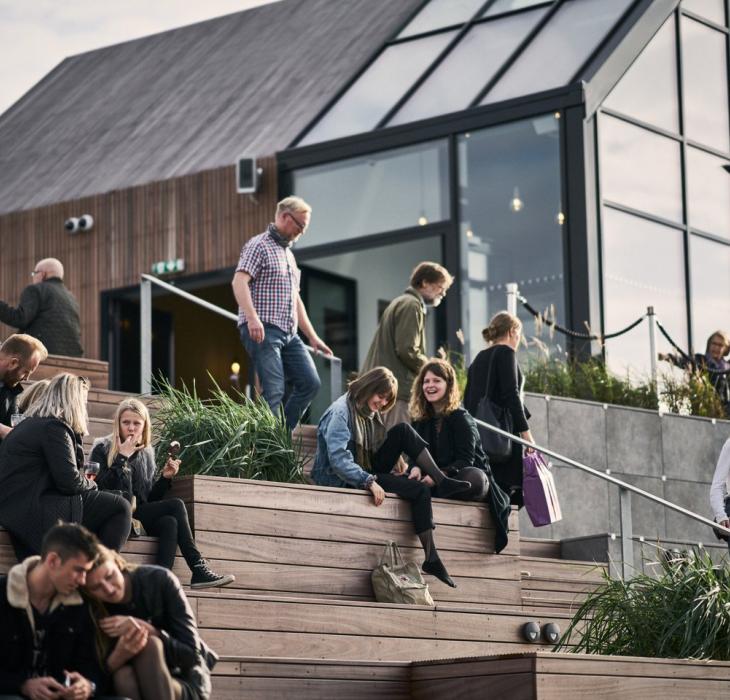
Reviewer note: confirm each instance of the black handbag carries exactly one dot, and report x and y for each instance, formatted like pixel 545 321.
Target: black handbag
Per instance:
pixel 498 447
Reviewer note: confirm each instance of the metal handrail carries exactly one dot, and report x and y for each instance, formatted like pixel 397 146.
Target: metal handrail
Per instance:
pixel 625 491
pixel 145 318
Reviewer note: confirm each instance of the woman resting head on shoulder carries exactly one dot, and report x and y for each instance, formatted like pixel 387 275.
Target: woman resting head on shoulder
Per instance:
pixel 165 658
pixel 354 449
pixel 451 433
pixel 128 465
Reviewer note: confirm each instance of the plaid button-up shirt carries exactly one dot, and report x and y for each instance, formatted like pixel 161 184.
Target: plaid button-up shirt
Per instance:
pixel 274 281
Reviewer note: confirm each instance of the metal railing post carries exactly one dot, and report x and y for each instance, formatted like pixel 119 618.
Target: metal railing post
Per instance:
pixel 651 317
pixel 512 292
pixel 145 335
pixel 335 378
pixel 627 533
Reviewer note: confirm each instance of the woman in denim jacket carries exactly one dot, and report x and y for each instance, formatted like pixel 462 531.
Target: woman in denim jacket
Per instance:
pixel 354 450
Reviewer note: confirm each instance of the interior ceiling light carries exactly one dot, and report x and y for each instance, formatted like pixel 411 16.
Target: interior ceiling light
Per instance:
pixel 422 220
pixel 516 204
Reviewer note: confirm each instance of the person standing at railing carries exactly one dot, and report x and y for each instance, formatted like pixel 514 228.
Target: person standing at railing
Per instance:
pixel 270 310
pixel 496 375
pixel 399 342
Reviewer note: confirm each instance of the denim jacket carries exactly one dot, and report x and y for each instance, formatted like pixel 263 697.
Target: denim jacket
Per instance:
pixel 334 464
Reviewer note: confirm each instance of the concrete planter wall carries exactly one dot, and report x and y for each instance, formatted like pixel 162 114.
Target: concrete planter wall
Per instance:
pixel 670 456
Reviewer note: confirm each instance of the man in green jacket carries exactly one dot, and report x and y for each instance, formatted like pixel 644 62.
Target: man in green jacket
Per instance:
pixel 400 339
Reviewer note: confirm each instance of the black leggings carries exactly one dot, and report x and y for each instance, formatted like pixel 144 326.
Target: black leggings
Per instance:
pixel 403 438
pixel 108 516
pixel 168 520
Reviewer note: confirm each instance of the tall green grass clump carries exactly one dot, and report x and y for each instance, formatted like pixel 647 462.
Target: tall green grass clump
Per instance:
pixel 224 435
pixel 682 612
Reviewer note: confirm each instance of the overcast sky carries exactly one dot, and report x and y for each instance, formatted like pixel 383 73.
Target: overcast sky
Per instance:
pixel 36 35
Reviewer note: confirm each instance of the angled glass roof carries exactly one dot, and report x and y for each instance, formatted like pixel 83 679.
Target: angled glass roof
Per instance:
pixel 457 54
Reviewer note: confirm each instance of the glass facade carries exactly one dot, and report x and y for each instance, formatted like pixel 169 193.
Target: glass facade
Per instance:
pixel 644 261
pixel 441 13
pixel 386 191
pixel 511 220
pixel 502 6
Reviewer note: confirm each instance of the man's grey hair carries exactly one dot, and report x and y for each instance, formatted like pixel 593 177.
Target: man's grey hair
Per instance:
pixel 292 204
pixel 51 266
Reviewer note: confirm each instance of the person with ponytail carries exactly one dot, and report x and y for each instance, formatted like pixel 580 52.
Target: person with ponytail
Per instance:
pixel 494 373
pixel 355 450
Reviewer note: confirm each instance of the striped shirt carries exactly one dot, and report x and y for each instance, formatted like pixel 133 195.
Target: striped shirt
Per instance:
pixel 274 281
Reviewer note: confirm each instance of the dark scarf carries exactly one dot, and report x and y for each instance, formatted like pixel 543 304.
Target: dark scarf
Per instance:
pixel 368 433
pixel 281 240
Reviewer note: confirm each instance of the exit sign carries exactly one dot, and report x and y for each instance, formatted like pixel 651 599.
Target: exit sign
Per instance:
pixel 165 267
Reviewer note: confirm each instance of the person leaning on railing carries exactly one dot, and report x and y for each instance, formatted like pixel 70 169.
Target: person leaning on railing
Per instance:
pixel 719 500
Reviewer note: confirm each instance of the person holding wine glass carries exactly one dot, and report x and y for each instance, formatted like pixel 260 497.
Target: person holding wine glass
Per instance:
pixel 128 465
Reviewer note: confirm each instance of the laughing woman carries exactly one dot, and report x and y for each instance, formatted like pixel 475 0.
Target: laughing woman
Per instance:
pixel 354 449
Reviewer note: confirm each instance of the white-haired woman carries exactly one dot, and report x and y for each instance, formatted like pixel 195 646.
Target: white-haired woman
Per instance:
pixel 128 465
pixel 42 472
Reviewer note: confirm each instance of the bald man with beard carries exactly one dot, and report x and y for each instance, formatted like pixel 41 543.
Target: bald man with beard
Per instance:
pixel 47 310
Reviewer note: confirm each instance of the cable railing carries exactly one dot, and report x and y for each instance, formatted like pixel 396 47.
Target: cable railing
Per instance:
pixel 145 316
pixel 625 491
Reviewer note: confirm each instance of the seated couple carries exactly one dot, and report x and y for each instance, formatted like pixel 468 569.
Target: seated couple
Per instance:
pixel 132 632
pixel 355 450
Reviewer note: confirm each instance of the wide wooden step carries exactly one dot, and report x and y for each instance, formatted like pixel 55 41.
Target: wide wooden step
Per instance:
pixel 326 629
pixel 96 371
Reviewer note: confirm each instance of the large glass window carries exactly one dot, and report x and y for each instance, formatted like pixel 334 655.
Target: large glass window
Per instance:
pixel 648 90
pixel 557 53
pixel 377 90
pixel 510 218
pixel 709 9
pixel 708 193
pixel 704 67
pixel 441 13
pixel 380 192
pixel 710 272
pixel 643 265
pixel 468 67
pixel 640 169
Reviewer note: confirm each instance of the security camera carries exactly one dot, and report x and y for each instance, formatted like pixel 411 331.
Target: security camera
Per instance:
pixel 71 225
pixel 86 222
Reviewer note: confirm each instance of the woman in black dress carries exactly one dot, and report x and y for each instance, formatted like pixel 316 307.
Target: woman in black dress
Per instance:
pixel 496 374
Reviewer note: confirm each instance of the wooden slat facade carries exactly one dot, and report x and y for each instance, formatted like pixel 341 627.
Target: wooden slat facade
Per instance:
pixel 199 218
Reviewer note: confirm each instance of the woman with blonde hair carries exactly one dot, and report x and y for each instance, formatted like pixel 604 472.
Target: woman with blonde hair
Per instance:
pixel 42 472
pixel 31 394
pixel 494 373
pixel 355 450
pixel 148 640
pixel 128 465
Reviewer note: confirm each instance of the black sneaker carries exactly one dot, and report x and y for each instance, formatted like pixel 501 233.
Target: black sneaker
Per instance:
pixel 203 577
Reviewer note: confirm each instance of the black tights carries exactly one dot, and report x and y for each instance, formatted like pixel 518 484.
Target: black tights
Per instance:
pixel 108 516
pixel 478 480
pixel 146 676
pixel 168 520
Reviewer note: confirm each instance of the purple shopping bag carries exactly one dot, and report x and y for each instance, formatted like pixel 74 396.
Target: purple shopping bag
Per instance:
pixel 538 490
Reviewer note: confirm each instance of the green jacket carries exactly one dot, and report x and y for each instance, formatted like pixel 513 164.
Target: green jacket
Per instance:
pixel 400 341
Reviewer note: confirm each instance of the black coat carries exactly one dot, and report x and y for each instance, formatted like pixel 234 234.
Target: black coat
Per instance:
pixel 69 644
pixel 41 479
pixel 458 445
pixel 158 599
pixel 496 374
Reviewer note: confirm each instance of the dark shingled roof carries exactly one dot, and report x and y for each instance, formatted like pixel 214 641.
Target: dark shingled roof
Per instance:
pixel 185 100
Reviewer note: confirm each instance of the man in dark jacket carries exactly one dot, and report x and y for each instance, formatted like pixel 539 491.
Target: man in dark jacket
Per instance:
pixel 20 356
pixel 400 339
pixel 47 642
pixel 47 311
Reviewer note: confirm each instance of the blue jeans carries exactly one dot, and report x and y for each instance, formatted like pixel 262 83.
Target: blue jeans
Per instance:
pixel 279 360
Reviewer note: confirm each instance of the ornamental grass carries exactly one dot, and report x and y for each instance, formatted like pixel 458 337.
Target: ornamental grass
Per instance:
pixel 681 613
pixel 224 435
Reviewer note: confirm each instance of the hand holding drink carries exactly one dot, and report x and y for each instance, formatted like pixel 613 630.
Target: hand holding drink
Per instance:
pixel 91 469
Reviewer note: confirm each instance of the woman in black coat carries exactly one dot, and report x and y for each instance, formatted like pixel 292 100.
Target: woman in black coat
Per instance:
pixel 42 472
pixel 149 640
pixel 496 374
pixel 453 440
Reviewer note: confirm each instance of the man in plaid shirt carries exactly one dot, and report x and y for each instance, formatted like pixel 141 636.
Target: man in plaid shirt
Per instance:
pixel 266 287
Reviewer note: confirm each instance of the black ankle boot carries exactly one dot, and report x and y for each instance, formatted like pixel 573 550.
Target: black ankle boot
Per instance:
pixel 436 568
pixel 449 487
